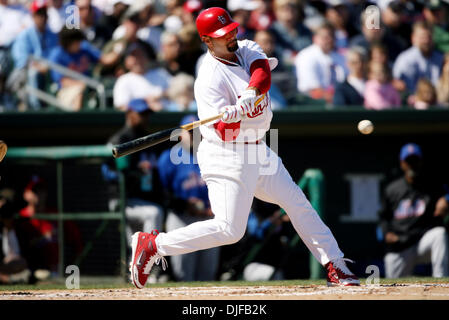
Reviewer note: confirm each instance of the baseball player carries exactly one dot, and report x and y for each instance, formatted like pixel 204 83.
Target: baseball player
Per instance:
pixel 234 161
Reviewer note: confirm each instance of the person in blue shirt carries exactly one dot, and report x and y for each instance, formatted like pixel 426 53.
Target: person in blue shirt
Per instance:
pixel 187 202
pixel 421 60
pixel 78 55
pixel 36 41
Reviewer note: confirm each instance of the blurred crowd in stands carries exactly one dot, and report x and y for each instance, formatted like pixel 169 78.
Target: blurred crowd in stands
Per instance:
pixel 377 55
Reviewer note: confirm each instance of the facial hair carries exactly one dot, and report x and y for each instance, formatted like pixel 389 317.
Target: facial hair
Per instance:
pixel 233 46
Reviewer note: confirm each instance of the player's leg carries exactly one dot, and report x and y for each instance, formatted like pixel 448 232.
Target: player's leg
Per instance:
pixel 400 264
pixel 149 214
pixel 186 266
pixel 183 266
pixel 434 243
pixel 279 188
pixel 230 202
pixel 231 184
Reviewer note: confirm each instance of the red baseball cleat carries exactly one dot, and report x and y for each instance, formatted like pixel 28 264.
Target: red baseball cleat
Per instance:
pixel 144 255
pixel 338 274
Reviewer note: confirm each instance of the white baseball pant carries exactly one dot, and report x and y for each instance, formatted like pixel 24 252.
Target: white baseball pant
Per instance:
pixel 432 247
pixel 201 265
pixel 142 215
pixel 234 174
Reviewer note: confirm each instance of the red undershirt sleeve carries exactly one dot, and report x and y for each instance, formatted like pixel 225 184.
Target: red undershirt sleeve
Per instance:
pixel 260 75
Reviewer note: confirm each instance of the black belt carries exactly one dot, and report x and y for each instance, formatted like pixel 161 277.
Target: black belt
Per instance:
pixel 246 142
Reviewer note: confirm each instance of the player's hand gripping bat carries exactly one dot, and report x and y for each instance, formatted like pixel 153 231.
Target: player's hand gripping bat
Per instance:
pixel 147 141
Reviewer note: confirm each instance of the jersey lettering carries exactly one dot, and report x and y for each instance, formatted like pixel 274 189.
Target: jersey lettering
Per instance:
pixel 407 209
pixel 258 110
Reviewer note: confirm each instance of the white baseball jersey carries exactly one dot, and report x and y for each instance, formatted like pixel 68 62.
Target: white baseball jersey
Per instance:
pixel 218 85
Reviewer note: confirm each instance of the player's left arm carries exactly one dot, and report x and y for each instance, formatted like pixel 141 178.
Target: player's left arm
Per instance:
pixel 260 77
pixel 259 83
pixel 260 80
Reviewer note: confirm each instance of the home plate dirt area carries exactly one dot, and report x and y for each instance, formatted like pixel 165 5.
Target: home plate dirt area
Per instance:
pixel 395 291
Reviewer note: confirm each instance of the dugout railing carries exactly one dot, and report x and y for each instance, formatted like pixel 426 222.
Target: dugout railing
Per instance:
pixel 72 161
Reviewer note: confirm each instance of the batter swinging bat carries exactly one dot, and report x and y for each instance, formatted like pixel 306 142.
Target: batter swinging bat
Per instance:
pixel 144 142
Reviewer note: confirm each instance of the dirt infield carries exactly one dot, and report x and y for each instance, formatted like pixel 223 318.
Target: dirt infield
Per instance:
pixel 421 291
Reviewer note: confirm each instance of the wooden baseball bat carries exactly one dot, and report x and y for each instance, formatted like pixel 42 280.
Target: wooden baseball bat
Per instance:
pixel 152 139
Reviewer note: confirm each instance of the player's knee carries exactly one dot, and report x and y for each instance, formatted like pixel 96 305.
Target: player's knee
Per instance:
pixel 439 234
pixel 231 234
pixel 234 235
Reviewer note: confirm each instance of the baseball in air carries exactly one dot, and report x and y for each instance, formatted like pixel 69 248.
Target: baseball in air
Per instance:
pixel 365 127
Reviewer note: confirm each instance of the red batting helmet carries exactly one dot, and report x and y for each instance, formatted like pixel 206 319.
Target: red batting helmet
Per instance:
pixel 215 22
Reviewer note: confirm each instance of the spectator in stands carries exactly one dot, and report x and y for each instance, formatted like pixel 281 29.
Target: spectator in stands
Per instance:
pixel 141 11
pixel 191 48
pixel 351 91
pixel 37 41
pixel 114 51
pixel 395 21
pixel 379 91
pixel 371 34
pixel 169 57
pixel 148 32
pixel 425 96
pixel 443 84
pixel 267 42
pixel 379 53
pixel 13 267
pixel 56 15
pixel 180 93
pixel 188 202
pixel 413 207
pixel 281 79
pixel 14 18
pixel 241 11
pixel 134 85
pixel 159 77
pixel 78 55
pixel 434 13
pixel 319 67
pixel 191 9
pixel 140 169
pixel 111 21
pixel 173 23
pixel 89 15
pixel 262 17
pixel 419 61
pixel 313 14
pixel 337 13
pixel 290 33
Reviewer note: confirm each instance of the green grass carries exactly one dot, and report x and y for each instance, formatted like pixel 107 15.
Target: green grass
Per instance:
pixel 87 283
